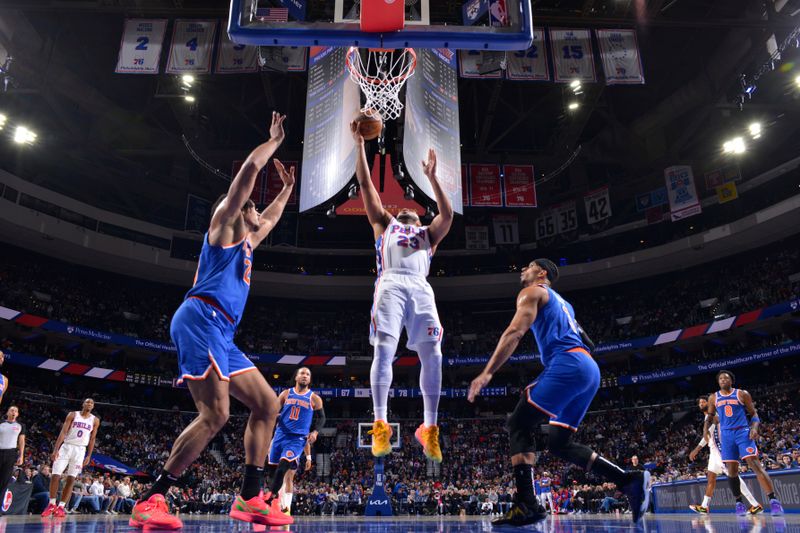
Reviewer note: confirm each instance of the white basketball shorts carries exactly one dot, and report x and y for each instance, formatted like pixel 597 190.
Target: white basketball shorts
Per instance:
pixel 70 459
pixel 403 300
pixel 715 463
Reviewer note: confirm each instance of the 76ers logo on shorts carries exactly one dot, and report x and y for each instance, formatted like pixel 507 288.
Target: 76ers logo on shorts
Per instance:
pixel 434 332
pixel 751 450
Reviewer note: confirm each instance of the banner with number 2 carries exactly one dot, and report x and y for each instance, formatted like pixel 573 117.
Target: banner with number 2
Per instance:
pixel 140 50
pixel 192 44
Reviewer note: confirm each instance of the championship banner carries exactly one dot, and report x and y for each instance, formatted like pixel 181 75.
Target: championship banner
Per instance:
pixel 274 183
pixel 597 204
pixel 566 217
pixel 235 58
pixel 683 200
pixel 530 64
pixel 727 192
pixel 485 188
pixel 192 44
pixel 619 51
pixel 140 48
pixel 258 189
pixel 720 176
pixel 480 64
pixel 572 55
pixel 520 186
pixel 464 186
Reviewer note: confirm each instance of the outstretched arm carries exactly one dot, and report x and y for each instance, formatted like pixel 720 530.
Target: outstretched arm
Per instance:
pixel 378 216
pixel 441 222
pixel 242 185
pixel 528 302
pixel 270 216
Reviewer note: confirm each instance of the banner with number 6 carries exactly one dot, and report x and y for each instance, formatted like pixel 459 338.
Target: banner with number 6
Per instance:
pixel 573 58
pixel 192 44
pixel 598 206
pixel 235 58
pixel 140 49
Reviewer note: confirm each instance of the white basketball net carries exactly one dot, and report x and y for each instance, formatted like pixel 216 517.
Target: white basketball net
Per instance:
pixel 381 77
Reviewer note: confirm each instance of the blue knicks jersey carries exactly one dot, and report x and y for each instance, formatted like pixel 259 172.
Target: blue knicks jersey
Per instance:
pixel 555 328
pixel 732 414
pixel 296 413
pixel 223 275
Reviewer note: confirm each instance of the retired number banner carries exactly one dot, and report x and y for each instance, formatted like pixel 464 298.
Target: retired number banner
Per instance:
pixel 530 64
pixel 192 43
pixel 683 200
pixel 480 64
pixel 567 217
pixel 140 49
pixel 619 51
pixel 520 187
pixel 485 187
pixel 597 204
pixel 235 58
pixel 572 55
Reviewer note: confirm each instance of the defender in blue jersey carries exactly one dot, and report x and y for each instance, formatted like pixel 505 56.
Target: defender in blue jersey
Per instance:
pixel 561 394
pixel 302 416
pixel 213 367
pixel 738 430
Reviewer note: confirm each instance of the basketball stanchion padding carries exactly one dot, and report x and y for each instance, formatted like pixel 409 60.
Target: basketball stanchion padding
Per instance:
pixel 379 16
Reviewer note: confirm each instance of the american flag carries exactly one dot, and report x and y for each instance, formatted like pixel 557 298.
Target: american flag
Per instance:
pixel 272 14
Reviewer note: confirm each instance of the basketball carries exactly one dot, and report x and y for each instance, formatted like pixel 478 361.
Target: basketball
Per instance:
pixel 369 126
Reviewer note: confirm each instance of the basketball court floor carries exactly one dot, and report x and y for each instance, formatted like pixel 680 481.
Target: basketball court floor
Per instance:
pixel 412 524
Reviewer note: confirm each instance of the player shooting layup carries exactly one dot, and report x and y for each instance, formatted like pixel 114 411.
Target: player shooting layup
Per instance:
pixel 403 298
pixel 213 367
pixel 561 394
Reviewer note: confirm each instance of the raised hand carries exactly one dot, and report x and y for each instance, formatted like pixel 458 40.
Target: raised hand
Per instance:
pixel 429 166
pixel 276 128
pixel 287 177
pixel 357 137
pixel 477 385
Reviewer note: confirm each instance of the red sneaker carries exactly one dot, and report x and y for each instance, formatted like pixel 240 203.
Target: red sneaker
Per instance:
pixel 153 514
pixel 60 512
pixel 49 510
pixel 257 511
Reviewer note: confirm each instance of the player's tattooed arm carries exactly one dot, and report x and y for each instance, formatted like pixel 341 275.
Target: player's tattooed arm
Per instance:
pixel 378 217
pixel 528 303
pixel 242 185
pixel 750 407
pixel 441 222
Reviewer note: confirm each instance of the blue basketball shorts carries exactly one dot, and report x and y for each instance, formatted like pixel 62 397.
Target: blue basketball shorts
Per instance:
pixel 287 446
pixel 565 389
pixel 737 444
pixel 204 339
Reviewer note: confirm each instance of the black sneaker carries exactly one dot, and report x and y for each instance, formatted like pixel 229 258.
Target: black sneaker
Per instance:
pixel 638 492
pixel 521 514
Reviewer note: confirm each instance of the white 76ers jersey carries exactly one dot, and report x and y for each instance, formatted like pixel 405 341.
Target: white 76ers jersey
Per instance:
pixel 404 247
pixel 80 430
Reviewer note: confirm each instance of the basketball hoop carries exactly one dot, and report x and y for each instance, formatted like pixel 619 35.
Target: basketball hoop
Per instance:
pixel 381 75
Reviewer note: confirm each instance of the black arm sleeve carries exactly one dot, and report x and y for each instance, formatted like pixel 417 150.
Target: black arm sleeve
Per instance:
pixel 585 338
pixel 318 420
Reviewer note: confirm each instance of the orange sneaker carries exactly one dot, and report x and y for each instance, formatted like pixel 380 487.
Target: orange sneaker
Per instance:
pixel 381 438
pixel 428 437
pixel 258 511
pixel 49 510
pixel 153 514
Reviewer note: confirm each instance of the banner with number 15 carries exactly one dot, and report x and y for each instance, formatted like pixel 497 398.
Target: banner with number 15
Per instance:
pixel 192 44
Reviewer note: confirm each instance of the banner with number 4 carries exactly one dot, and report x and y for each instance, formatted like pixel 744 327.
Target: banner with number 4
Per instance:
pixel 192 44
pixel 598 206
pixel 140 50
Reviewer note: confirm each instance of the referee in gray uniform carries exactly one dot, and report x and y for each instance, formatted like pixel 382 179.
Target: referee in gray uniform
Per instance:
pixel 12 447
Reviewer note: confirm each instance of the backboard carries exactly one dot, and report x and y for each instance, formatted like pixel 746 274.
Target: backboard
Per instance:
pixel 428 24
pixel 365 439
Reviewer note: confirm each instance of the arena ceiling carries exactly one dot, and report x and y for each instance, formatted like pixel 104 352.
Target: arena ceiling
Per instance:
pixel 116 140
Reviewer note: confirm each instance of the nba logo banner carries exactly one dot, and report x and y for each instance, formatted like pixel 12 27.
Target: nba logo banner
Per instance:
pixel 192 42
pixel 683 200
pixel 573 58
pixel 530 64
pixel 619 52
pixel 140 49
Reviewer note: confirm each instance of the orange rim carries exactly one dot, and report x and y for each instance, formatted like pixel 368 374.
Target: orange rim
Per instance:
pixel 375 81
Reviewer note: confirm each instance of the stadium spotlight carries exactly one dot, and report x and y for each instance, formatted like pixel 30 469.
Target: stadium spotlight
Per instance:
pixel 734 146
pixel 23 135
pixel 3 120
pixel 189 98
pixel 187 80
pixel 797 80
pixel 575 84
pixel 573 106
pixel 755 130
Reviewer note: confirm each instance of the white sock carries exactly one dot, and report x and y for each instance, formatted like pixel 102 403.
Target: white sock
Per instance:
pixel 62 504
pixel 52 501
pixel 706 501
pixel 746 493
pixel 380 375
pixel 430 379
pixel 287 500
